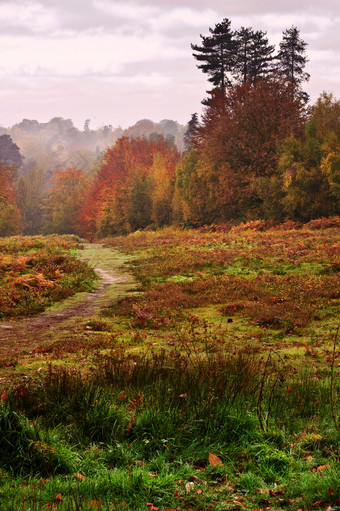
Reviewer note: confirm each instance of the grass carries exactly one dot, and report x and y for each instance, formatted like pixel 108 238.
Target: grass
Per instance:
pixel 214 386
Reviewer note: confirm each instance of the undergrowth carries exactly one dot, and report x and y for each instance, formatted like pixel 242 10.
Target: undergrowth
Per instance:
pixel 38 271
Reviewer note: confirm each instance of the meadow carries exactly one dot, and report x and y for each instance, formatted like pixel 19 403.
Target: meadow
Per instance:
pixel 211 382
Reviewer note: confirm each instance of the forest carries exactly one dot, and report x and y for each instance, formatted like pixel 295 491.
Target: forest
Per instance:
pixel 260 151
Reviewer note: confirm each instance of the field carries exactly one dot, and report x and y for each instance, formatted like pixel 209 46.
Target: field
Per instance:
pixel 207 378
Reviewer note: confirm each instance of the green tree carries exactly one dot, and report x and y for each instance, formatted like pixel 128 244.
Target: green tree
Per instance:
pixel 31 192
pixel 64 201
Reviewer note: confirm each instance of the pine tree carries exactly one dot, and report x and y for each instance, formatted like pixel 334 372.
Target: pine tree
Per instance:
pixel 291 57
pixel 244 46
pixel 217 55
pixel 261 57
pixel 191 132
pixel 253 55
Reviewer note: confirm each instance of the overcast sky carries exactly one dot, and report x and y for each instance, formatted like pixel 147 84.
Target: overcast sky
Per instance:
pixel 118 61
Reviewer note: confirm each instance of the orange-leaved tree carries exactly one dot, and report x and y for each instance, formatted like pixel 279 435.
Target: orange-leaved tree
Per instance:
pixel 125 191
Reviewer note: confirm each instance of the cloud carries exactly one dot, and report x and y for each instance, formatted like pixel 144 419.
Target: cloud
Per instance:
pixel 31 15
pixel 120 59
pixel 80 56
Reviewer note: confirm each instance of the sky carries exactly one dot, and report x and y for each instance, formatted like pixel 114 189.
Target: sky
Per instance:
pixel 118 61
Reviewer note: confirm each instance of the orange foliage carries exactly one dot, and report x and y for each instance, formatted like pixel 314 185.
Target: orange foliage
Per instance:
pixel 126 173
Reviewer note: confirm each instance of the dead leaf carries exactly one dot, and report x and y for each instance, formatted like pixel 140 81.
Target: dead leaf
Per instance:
pixel 307 458
pixel 195 479
pixel 58 499
pixel 140 463
pixel 152 475
pixel 135 402
pixel 189 487
pixel 321 468
pixel 95 503
pixel 79 476
pixel 3 397
pixel 215 460
pixel 330 491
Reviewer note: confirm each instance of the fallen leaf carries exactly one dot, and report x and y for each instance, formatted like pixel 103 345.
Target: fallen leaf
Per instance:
pixel 95 503
pixel 135 402
pixel 3 397
pixel 321 468
pixel 79 476
pixel 199 491
pixel 140 463
pixel 196 479
pixel 152 475
pixel 58 499
pixel 307 458
pixel 189 487
pixel 215 460
pixel 330 491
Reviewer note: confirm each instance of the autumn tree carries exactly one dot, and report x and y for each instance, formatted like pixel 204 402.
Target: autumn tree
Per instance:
pixel 10 218
pixel 121 197
pixel 64 201
pixel 310 168
pixel 163 179
pixel 237 150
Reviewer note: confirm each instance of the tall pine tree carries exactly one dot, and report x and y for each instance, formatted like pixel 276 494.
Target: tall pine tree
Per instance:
pixel 217 55
pixel 253 55
pixel 292 58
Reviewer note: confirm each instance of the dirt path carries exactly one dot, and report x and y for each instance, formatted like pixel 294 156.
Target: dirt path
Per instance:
pixel 20 335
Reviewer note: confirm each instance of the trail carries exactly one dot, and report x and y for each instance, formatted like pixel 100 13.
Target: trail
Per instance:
pixel 18 336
